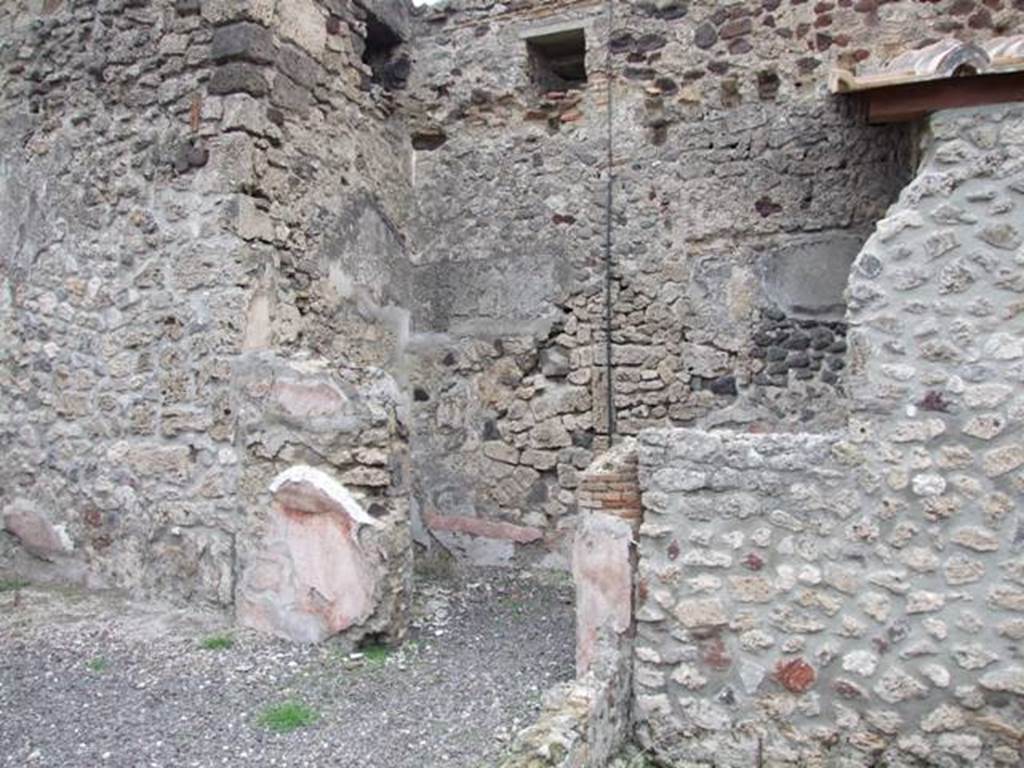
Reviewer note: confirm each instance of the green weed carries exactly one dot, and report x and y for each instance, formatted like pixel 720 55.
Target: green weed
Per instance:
pixel 376 655
pixel 287 716
pixel 217 642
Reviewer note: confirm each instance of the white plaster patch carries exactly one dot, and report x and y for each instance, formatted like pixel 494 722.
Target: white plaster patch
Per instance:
pixel 303 473
pixel 65 539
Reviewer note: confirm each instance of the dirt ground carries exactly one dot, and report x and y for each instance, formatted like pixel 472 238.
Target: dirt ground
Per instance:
pixel 92 679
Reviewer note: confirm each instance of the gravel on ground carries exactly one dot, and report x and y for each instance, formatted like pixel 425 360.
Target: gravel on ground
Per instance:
pixel 91 679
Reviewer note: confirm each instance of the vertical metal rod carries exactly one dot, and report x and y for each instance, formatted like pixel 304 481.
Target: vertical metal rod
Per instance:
pixel 609 197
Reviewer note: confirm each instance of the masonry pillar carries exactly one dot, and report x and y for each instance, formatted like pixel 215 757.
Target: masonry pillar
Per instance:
pixel 604 567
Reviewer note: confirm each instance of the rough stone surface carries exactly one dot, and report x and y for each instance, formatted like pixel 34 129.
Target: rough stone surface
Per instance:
pixel 241 237
pixel 267 189
pixel 180 196
pixel 874 572
pixel 22 520
pixel 724 199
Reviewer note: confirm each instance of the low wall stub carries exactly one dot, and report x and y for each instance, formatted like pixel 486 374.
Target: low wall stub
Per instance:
pixel 789 615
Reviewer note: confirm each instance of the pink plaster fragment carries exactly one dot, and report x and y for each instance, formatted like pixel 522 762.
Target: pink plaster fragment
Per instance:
pixel 306 400
pixel 603 572
pixel 33 530
pixel 488 529
pixel 312 579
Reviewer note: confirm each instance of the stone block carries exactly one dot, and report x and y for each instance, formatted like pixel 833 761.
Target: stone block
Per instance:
pixel 300 68
pixel 239 77
pixel 999 461
pixel 224 11
pixel 307 399
pixel 314 575
pixel 499 451
pixel 248 221
pixel 243 41
pixel 796 676
pixel 1008 680
pixel 304 24
pixel 152 462
pixel 975 538
pixel 33 530
pixel 480 527
pixel 701 613
pixel 290 97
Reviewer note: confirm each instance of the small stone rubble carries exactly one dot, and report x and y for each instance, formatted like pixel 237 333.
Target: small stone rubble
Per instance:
pixel 129 684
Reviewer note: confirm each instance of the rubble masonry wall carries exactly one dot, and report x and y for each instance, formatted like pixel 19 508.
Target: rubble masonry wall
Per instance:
pixel 858 595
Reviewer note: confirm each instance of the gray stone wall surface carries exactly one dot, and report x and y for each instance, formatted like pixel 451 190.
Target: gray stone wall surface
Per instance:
pixel 190 185
pixel 855 597
pixel 201 209
pixel 742 194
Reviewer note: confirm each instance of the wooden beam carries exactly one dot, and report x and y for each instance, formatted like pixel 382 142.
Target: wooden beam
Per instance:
pixel 902 103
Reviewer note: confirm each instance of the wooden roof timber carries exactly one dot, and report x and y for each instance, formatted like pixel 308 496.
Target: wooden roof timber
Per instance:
pixel 911 101
pixel 946 75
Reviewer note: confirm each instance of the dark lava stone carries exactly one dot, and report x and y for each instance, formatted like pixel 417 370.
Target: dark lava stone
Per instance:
pixel 822 338
pixel 798 341
pixel 724 385
pixel 705 36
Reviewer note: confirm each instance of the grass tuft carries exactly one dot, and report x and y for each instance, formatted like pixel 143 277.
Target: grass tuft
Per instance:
pixel 375 655
pixel 98 664
pixel 10 585
pixel 287 716
pixel 217 642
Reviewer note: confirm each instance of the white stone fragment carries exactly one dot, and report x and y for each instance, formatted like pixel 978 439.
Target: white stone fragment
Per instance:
pixel 929 485
pixel 303 473
pixel 863 663
pixel 937 675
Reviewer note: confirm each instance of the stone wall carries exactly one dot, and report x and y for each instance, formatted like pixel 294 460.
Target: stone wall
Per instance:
pixel 191 186
pixel 116 365
pixel 750 570
pixel 857 595
pixel 742 194
pixel 186 186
